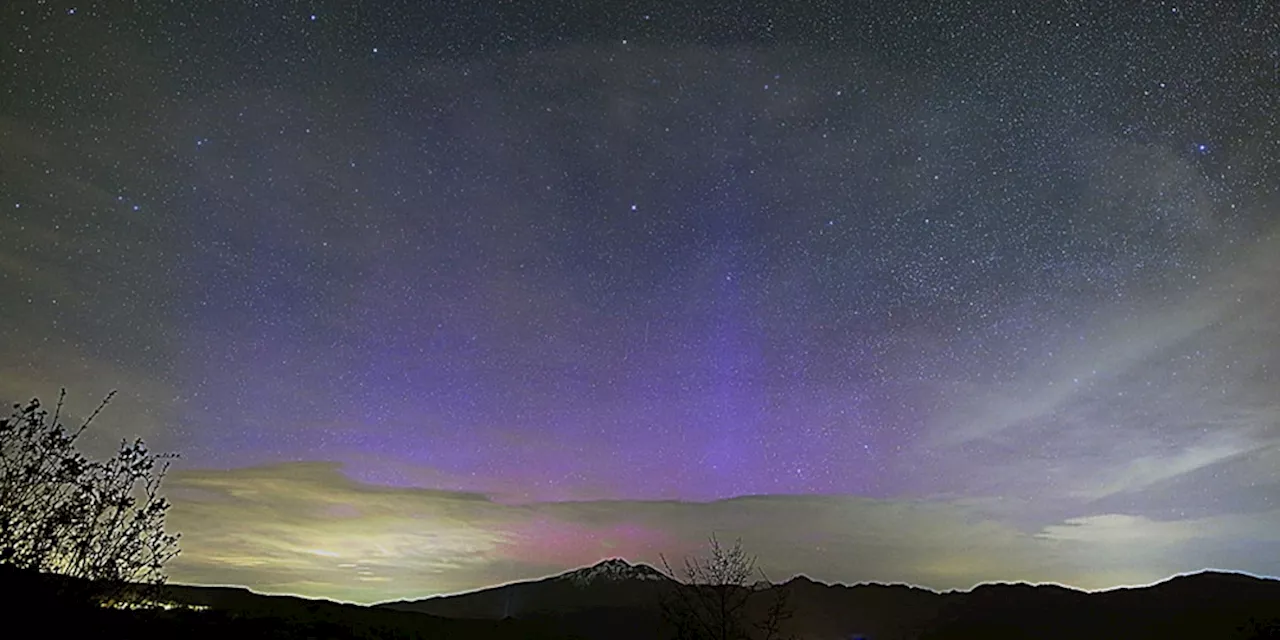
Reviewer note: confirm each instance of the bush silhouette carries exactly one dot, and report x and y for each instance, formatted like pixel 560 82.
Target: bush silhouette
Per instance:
pixel 99 523
pixel 717 598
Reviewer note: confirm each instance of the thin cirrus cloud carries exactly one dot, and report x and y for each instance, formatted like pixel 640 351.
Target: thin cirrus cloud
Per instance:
pixel 1153 390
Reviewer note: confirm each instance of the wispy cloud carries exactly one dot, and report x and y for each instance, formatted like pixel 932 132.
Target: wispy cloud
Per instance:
pixel 1144 471
pixel 1151 391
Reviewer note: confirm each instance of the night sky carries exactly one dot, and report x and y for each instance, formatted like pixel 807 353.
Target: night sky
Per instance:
pixel 431 296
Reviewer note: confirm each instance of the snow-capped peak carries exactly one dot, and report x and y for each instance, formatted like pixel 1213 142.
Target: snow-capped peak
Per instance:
pixel 613 570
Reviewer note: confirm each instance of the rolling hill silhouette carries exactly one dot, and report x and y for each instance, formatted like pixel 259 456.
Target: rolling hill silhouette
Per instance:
pixel 619 600
pixel 615 599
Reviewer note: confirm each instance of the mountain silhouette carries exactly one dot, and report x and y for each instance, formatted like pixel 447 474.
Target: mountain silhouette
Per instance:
pixel 615 599
pixel 619 600
pixel 612 589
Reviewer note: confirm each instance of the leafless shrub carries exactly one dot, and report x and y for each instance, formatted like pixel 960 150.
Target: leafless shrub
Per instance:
pixel 63 513
pixel 719 598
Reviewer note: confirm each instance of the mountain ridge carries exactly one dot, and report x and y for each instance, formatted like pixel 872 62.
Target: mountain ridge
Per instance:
pixel 1208 603
pixel 618 600
pixel 615 569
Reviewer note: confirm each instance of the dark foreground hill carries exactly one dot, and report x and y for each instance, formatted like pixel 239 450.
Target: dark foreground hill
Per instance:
pixel 617 600
pixel 46 606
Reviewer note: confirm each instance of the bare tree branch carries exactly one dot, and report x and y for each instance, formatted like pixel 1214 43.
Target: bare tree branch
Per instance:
pixel 715 600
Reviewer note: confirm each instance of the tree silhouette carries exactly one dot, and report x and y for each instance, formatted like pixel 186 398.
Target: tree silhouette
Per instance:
pixel 717 598
pixel 101 522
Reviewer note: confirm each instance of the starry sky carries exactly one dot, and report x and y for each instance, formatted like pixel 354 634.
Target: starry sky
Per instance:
pixel 436 295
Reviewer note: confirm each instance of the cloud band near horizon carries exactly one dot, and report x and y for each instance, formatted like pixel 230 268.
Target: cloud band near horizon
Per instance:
pixel 308 529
